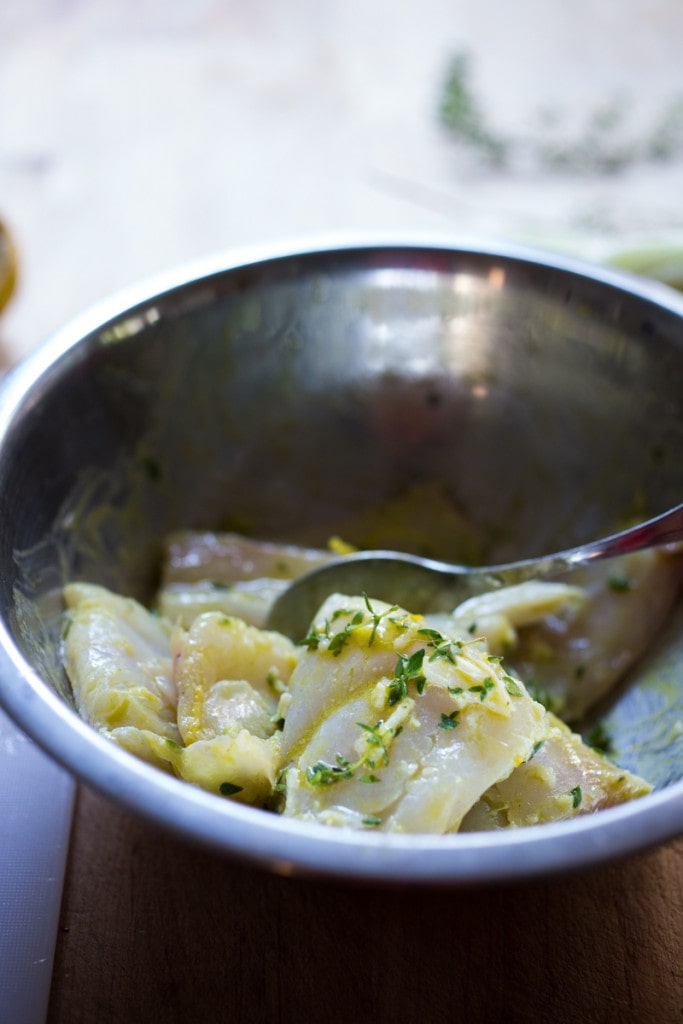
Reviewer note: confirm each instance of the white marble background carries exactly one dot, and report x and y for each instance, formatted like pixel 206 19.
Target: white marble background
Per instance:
pixel 138 135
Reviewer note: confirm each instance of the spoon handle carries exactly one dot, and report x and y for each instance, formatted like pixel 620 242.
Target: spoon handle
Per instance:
pixel 421 584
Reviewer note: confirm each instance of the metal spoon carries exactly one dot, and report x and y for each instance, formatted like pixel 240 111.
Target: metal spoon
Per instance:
pixel 423 584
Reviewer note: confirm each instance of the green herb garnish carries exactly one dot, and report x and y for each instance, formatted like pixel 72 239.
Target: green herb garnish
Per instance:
pixel 338 641
pixel 600 739
pixel 512 686
pixel 376 617
pixel 619 584
pixel 442 647
pixel 324 774
pixel 408 670
pixel 152 468
pixel 229 789
pixel 484 688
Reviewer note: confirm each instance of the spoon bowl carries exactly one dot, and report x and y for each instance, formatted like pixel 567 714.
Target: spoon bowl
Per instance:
pixel 428 585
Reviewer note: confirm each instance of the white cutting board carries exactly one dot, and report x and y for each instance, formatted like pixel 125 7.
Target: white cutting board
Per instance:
pixel 36 800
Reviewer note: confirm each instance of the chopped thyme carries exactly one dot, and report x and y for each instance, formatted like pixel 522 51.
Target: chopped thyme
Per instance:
pixel 375 739
pixel 432 635
pixel 449 721
pixel 442 647
pixel 339 640
pixel 600 739
pixel 398 623
pixel 274 682
pixel 408 670
pixel 312 639
pixel 324 774
pixel 376 617
pixel 152 468
pixel 229 788
pixel 339 612
pixel 335 641
pixel 512 686
pixel 619 584
pixel 484 688
pixel 577 796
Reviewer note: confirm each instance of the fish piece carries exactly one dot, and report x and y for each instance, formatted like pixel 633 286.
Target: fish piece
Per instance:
pixel 228 572
pixel 392 726
pixel 497 615
pixel 576 657
pixel 193 556
pixel 573 640
pixel 117 656
pixel 235 764
pixel 563 778
pixel 128 668
pixel 229 675
pixel 250 600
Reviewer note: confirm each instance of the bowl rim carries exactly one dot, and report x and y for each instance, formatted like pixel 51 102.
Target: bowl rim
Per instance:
pixel 287 846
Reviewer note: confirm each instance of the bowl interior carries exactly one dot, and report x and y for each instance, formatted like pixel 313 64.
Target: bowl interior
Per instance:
pixel 290 395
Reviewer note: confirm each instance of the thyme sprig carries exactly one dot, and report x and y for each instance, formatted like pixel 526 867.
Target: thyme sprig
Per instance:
pixel 377 617
pixel 441 646
pixel 375 755
pixel 335 642
pixel 408 670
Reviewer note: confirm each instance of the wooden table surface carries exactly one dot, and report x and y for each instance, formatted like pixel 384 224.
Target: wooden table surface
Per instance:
pixel 133 139
pixel 154 930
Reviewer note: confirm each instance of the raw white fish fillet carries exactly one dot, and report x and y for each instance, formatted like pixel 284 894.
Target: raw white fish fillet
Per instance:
pixel 563 779
pixel 577 656
pixel 394 727
pixel 201 703
pixel 118 659
pixel 230 677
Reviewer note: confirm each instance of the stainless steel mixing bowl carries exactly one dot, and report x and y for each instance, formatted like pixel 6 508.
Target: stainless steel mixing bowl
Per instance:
pixel 277 392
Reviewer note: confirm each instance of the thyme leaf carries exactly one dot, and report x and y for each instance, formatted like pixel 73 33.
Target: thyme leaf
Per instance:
pixel 449 721
pixel 229 789
pixel 408 670
pixel 484 688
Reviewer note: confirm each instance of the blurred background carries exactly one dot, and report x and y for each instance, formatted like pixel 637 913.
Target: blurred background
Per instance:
pixel 138 135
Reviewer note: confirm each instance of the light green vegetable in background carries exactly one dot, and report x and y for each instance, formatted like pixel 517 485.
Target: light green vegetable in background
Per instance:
pixel 663 263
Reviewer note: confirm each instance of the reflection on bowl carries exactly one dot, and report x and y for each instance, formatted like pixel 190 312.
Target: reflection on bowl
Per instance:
pixel 283 392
